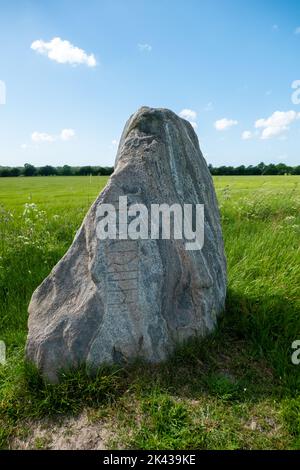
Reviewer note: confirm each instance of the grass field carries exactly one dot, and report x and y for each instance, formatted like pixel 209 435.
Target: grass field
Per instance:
pixel 236 389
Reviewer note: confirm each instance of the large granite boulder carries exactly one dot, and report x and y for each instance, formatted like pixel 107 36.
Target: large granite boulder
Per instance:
pixel 113 300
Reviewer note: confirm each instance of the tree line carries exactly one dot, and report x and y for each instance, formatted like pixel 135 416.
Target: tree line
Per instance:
pixel 260 169
pixel 66 170
pixel 48 170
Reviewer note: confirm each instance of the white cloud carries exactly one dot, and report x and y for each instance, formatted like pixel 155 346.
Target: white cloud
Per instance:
pixel 41 137
pixel 297 30
pixel 224 124
pixel 67 134
pixel 247 135
pixel 24 146
pixel 276 124
pixel 190 116
pixel 38 137
pixel 145 47
pixel 63 52
pixel 271 132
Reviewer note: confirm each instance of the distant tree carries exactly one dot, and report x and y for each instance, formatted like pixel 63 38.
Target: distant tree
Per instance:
pixel 29 170
pixel 283 169
pixel 15 171
pixel 107 170
pixel 66 170
pixel 261 167
pixel 223 170
pixel 270 169
pixel 240 170
pixel 296 170
pixel 4 172
pixel 84 171
pixel 252 170
pixel 47 170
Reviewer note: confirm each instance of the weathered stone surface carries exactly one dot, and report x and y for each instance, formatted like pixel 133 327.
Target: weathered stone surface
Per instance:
pixel 113 300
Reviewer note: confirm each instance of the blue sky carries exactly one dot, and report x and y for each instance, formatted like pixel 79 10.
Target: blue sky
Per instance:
pixel 229 63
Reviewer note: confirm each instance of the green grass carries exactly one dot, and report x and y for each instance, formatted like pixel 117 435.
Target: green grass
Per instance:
pixel 235 389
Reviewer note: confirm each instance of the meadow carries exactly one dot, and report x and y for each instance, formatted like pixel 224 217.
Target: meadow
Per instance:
pixel 235 389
